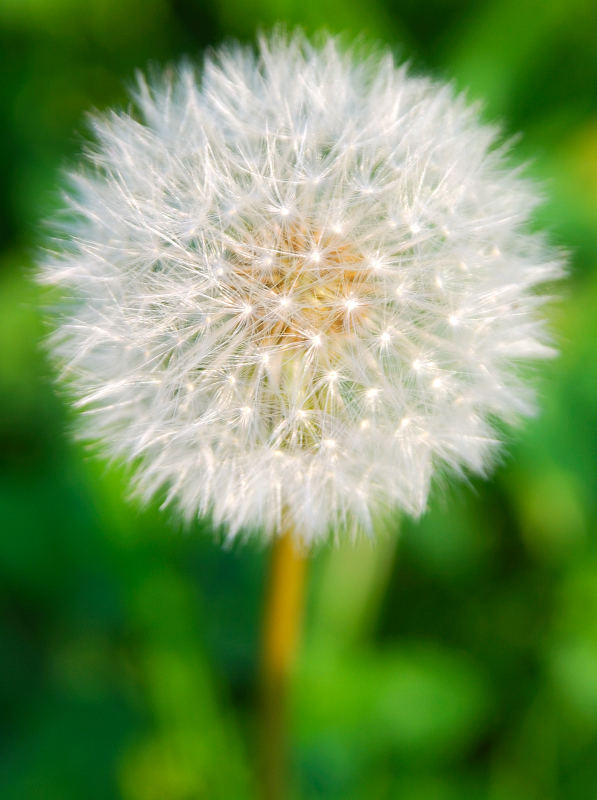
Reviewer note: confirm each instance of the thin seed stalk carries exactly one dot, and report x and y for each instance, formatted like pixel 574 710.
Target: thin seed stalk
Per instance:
pixel 281 628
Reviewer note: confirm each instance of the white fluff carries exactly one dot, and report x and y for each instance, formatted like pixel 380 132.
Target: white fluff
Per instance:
pixel 300 282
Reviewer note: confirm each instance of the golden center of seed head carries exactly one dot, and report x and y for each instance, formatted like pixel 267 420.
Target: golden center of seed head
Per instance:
pixel 301 294
pixel 302 286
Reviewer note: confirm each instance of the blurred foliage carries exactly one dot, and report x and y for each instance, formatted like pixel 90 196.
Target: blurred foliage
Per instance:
pixel 457 662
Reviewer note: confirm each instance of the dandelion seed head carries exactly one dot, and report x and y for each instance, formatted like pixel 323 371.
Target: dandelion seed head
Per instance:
pixel 263 262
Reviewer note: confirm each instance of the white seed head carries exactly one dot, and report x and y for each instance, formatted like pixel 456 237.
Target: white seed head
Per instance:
pixel 299 282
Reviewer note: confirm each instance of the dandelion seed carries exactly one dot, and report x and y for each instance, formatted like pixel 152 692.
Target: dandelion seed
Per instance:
pixel 398 230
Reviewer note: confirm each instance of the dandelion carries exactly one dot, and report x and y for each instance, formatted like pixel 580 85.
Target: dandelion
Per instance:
pixel 301 282
pixel 261 250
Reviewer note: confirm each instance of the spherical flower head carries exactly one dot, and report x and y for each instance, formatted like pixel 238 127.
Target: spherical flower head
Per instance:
pixel 300 282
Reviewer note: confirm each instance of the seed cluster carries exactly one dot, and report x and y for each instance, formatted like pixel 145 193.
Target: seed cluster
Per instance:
pixel 299 284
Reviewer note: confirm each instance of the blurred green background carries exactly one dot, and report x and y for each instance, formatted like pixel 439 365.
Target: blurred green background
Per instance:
pixel 457 661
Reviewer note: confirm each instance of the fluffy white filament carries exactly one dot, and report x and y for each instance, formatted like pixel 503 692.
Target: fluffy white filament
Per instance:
pixel 300 282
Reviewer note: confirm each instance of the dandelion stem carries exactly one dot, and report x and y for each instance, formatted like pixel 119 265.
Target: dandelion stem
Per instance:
pixel 281 627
